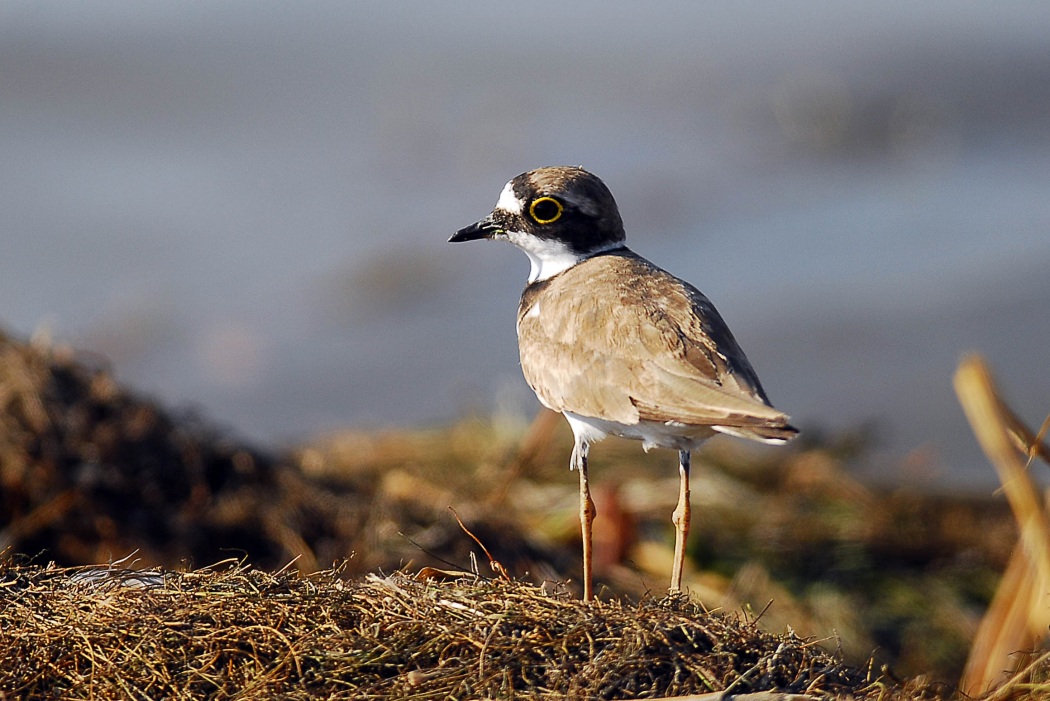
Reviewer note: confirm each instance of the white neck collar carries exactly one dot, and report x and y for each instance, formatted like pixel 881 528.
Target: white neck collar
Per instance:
pixel 548 258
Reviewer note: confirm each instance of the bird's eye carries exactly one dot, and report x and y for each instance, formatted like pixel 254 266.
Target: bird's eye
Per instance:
pixel 545 210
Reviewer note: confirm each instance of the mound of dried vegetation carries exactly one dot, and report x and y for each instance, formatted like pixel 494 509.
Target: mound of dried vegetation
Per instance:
pixel 241 633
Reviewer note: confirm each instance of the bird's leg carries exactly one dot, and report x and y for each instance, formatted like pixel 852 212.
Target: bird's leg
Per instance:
pixel 680 519
pixel 587 512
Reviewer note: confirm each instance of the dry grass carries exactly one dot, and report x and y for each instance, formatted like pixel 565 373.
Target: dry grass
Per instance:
pixel 235 632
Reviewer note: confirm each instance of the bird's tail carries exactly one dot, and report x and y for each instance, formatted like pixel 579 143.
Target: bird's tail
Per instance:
pixel 776 434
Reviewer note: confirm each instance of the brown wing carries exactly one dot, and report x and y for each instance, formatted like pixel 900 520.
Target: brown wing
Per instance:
pixel 617 338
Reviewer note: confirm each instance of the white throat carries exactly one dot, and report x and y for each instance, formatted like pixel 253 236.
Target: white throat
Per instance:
pixel 550 257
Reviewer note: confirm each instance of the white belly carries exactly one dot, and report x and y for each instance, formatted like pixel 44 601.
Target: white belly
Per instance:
pixel 652 434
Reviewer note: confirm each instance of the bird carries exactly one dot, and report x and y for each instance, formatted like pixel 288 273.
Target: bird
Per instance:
pixel 616 344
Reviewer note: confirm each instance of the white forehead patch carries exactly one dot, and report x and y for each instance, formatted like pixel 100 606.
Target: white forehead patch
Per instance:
pixel 508 201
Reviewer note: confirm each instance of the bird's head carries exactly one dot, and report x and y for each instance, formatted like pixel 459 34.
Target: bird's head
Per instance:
pixel 557 215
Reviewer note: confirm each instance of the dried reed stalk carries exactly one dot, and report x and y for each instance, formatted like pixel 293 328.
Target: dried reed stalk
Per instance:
pixel 1020 612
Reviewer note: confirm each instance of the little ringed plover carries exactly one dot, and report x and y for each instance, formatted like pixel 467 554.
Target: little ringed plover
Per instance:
pixel 616 344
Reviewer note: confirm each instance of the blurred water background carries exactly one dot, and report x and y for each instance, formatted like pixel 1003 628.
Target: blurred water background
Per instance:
pixel 243 206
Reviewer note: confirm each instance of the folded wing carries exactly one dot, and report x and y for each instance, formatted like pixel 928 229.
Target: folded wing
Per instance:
pixel 619 339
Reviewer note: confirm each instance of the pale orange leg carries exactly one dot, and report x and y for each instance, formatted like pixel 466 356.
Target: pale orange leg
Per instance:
pixel 680 519
pixel 587 512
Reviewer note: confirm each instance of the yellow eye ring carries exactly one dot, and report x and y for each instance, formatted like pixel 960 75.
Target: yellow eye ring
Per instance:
pixel 546 215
